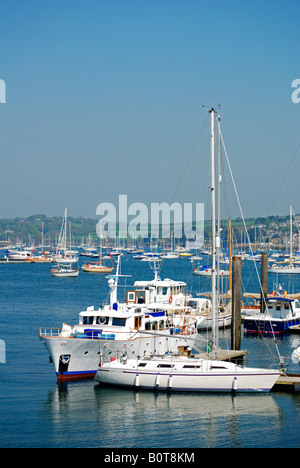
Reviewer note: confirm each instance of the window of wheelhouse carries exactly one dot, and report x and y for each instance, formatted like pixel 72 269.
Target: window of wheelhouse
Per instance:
pixel 162 290
pixel 87 320
pixel 118 322
pixel 102 320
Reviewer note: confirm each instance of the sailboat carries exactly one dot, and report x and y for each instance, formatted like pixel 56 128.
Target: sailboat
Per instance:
pixel 65 260
pixel 178 373
pixel 289 267
pixel 98 267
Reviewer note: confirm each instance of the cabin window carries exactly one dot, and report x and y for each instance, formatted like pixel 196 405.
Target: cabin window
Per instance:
pixel 286 305
pixel 88 320
pixel 161 324
pixel 131 296
pixel 102 320
pixel 137 322
pixel 118 322
pixel 142 364
pixel 166 366
pixel 141 297
pixel 164 291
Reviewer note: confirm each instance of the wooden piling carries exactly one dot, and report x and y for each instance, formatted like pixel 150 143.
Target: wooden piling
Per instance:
pixel 236 303
pixel 264 280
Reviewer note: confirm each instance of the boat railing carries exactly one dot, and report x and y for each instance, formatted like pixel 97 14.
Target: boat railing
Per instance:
pixel 54 332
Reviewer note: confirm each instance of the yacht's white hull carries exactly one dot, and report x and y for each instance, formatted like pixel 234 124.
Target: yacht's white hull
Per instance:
pixel 79 358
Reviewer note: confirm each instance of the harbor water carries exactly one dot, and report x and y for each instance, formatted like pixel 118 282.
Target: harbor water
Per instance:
pixel 38 412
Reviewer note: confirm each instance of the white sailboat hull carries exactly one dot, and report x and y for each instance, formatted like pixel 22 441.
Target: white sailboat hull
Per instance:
pixel 201 376
pixel 64 274
pixel 206 321
pixel 292 270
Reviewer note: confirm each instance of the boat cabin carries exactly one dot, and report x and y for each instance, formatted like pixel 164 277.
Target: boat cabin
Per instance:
pixel 157 291
pixel 281 308
pixel 119 318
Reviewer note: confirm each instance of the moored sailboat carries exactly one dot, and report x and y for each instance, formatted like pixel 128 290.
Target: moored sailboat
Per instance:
pixel 189 374
pixel 178 373
pixel 291 266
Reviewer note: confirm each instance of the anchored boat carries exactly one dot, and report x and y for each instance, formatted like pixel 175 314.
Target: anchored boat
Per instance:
pixel 280 314
pixel 178 373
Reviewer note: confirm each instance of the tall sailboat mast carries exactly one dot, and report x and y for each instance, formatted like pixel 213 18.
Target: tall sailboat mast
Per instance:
pixel 214 239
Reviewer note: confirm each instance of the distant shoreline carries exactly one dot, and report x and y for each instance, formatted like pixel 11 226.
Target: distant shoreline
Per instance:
pixel 273 228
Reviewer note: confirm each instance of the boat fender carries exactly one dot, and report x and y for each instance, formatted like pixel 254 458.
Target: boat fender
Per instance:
pixel 137 380
pixel 170 381
pixel 157 380
pixel 234 385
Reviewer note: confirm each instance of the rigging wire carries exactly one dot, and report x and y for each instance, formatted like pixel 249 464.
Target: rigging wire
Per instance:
pixel 244 223
pixel 284 177
pixel 193 152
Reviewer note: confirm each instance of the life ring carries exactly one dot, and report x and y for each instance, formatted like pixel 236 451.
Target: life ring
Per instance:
pixel 170 299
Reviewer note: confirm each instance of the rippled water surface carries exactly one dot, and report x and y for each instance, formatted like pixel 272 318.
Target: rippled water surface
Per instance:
pixel 37 412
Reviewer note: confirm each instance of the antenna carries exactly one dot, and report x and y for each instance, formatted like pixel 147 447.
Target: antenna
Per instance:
pixel 209 108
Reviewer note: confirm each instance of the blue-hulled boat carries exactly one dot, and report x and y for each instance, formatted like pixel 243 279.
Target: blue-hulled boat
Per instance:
pixel 279 314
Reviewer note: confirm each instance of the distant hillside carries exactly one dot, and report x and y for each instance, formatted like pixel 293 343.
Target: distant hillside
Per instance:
pixel 30 229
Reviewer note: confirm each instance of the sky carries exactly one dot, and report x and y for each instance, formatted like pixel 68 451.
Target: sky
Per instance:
pixel 105 97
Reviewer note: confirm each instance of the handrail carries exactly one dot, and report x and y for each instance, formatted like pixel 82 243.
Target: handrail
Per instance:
pixel 49 332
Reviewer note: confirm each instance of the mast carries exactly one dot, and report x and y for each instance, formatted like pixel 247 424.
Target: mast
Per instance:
pixel 213 232
pixel 291 234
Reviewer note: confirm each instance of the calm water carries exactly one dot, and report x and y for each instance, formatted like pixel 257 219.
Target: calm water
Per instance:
pixel 37 412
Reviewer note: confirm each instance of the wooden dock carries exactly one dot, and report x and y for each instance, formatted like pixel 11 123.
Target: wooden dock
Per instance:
pixel 287 383
pixel 224 355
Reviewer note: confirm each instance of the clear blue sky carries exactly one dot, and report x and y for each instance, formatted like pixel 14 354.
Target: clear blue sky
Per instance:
pixel 104 97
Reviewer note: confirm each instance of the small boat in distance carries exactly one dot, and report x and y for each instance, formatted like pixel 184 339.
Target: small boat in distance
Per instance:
pixel 64 271
pixel 207 271
pixel 96 267
pixel 290 266
pixel 63 255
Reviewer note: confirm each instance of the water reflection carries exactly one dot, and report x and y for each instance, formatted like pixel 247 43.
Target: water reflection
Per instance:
pixel 103 417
